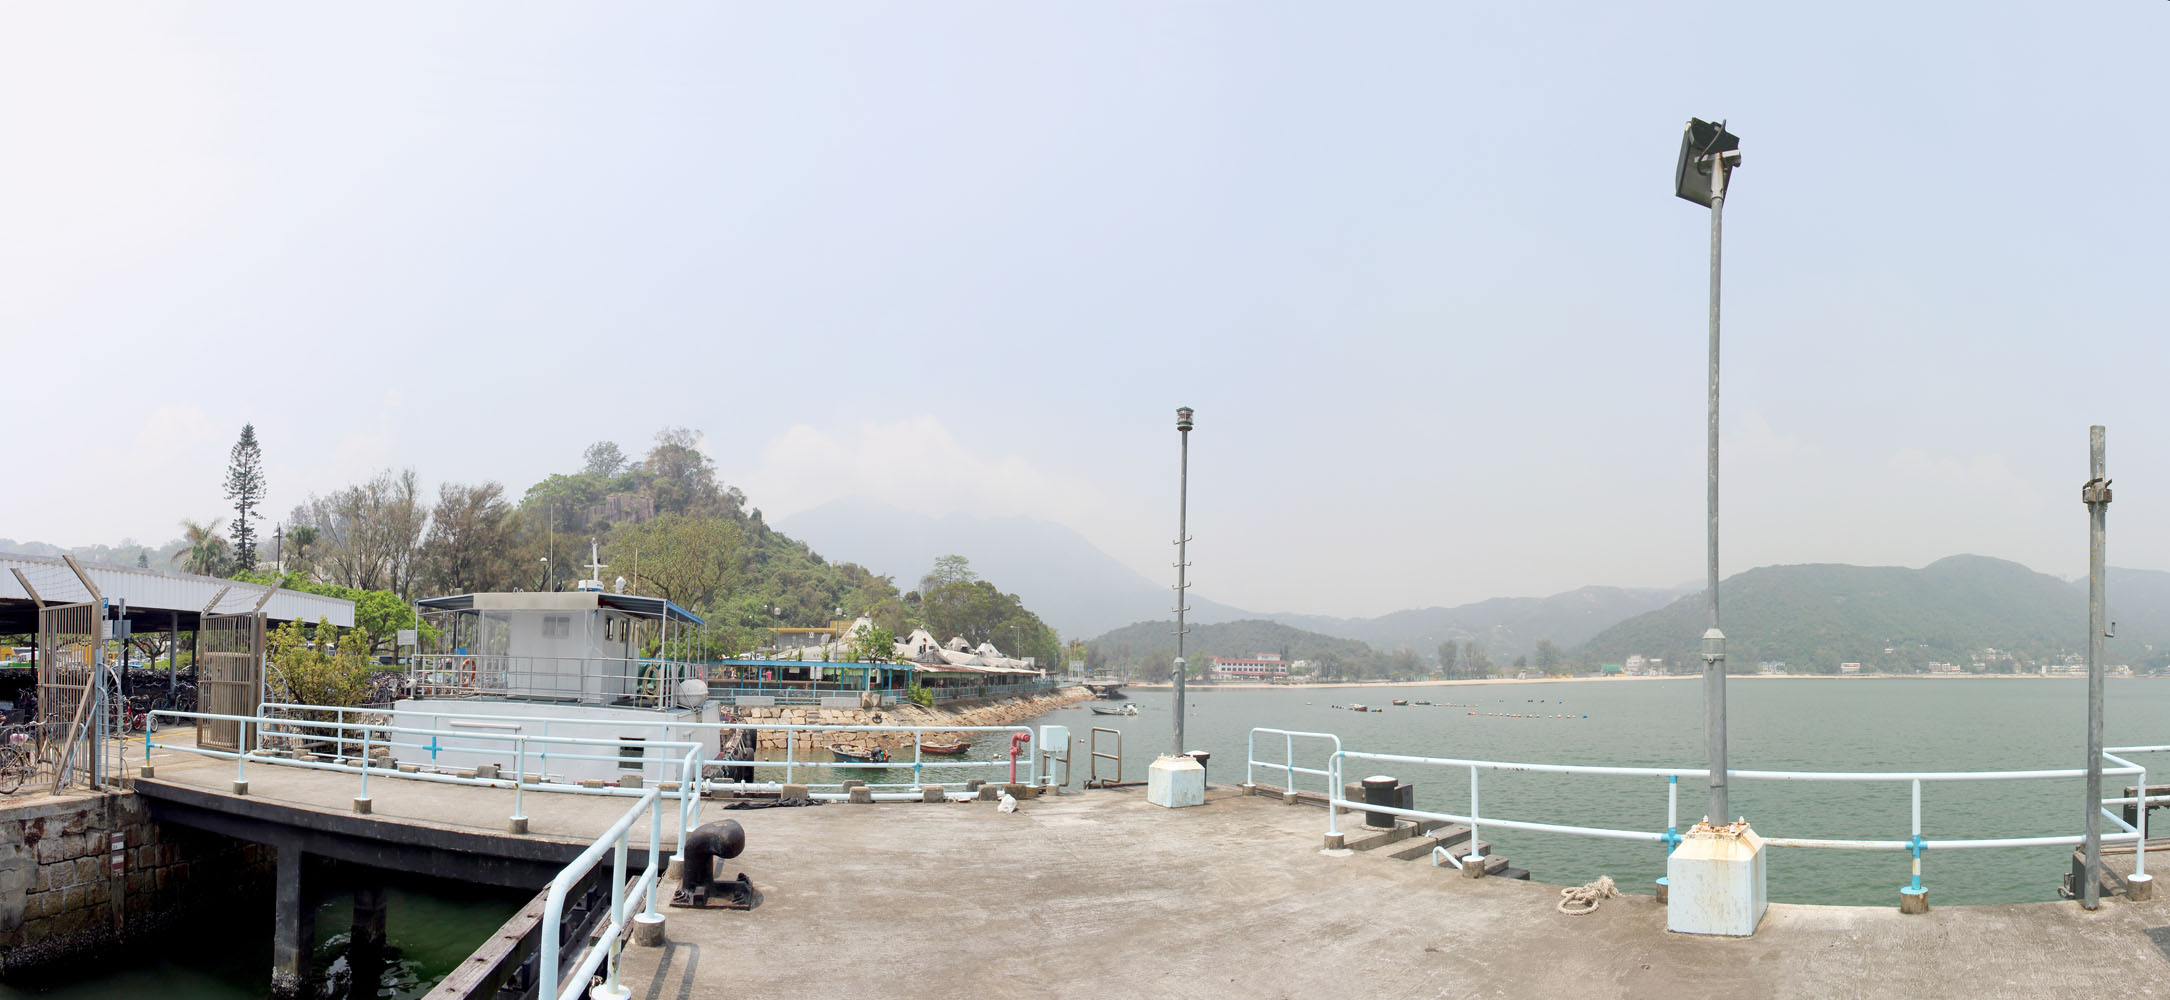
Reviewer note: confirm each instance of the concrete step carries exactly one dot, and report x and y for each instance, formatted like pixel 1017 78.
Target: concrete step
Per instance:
pixel 1366 839
pixel 1420 849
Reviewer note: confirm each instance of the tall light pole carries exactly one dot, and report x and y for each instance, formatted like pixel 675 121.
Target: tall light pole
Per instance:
pixel 1182 566
pixel 1708 154
pixel 2096 495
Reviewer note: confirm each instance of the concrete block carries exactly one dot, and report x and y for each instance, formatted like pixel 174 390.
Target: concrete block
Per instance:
pixel 1288 798
pixel 516 825
pixel 361 806
pixel 2139 888
pixel 1912 900
pixel 1664 891
pixel 648 930
pixel 1175 782
pixel 862 795
pixel 932 793
pixel 1336 841
pixel 486 771
pixel 1720 875
pixel 793 792
pixel 990 793
pixel 409 768
pixel 147 771
pixel 629 781
pixel 1474 868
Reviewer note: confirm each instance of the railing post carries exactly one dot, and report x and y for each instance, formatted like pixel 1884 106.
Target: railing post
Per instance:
pixel 1333 792
pixel 1914 898
pixel 617 914
pixel 919 736
pixel 1473 855
pixel 788 733
pixel 655 852
pixel 2139 854
pixel 1672 813
pixel 519 784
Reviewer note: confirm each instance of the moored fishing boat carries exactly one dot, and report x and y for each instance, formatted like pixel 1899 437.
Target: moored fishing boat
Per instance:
pixel 861 755
pixel 941 749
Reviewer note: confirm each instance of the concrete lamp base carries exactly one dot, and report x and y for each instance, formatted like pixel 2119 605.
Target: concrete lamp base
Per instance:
pixel 648 930
pixel 1912 900
pixel 1176 782
pixel 361 806
pixel 1665 891
pixel 241 788
pixel 2140 888
pixel 516 825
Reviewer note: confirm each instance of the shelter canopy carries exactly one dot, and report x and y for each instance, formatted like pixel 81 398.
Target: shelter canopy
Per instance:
pixel 158 599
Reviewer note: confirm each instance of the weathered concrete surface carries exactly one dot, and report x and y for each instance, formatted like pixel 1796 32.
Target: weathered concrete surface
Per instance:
pixel 1100 895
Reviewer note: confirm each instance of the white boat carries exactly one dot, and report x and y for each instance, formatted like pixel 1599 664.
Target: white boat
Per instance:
pixel 501 659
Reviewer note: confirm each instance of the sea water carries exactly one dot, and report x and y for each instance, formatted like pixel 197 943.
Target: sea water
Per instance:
pixel 1775 724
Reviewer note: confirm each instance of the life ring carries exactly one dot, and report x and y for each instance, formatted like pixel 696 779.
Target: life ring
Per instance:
pixel 467 672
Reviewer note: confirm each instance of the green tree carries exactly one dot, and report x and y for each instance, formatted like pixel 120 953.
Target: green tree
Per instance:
pixel 245 487
pixel 602 460
pixel 1450 659
pixel 473 540
pixel 203 550
pixel 872 645
pixel 687 559
pixel 1548 655
pixel 947 570
pixel 316 667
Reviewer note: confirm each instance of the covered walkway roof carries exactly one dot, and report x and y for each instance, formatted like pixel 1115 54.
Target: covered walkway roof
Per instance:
pixel 157 599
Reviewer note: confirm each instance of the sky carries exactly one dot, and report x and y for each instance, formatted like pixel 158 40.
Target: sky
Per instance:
pixel 1418 267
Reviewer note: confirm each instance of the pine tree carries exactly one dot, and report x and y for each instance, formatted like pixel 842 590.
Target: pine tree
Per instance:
pixel 245 487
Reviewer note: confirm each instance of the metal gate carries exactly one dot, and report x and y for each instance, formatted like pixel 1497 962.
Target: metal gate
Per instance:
pixel 70 647
pixel 229 676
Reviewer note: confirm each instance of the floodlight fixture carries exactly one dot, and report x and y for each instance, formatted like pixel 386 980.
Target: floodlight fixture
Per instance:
pixel 1707 152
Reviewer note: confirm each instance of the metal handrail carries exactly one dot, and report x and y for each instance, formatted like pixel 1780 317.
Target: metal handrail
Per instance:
pixel 1671 837
pixel 1288 759
pixel 605 945
pixel 687 793
pixel 791 731
pixel 1092 772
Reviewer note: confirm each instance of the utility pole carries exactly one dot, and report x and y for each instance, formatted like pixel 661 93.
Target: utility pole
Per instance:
pixel 2096 495
pixel 1708 156
pixel 1182 566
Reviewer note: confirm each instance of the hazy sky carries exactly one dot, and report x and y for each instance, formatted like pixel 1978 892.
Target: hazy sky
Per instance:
pixel 1418 267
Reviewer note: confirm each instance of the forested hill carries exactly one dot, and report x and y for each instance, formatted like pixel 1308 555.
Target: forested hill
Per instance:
pixel 1814 617
pixel 1145 647
pixel 1505 627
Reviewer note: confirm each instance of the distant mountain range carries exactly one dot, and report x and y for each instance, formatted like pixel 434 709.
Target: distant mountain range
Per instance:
pixel 1814 617
pixel 1505 626
pixel 1053 570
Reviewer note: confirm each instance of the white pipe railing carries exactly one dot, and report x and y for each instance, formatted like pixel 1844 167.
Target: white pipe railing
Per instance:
pixel 1288 756
pixel 1671 838
pixel 606 944
pixel 688 792
pixel 790 762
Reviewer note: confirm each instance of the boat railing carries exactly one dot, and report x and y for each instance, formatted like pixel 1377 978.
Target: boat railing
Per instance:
pixel 1287 765
pixel 643 682
pixel 1916 844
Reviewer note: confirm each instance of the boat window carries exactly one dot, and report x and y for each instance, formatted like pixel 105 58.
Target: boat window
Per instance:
pixel 629 755
pixel 557 626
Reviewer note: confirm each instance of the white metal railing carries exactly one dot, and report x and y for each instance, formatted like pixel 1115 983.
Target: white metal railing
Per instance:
pixel 794 746
pixel 1288 757
pixel 1915 845
pixel 607 943
pixel 644 682
pixel 356 742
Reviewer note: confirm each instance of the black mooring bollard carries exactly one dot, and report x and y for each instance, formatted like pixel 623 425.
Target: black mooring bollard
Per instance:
pixel 1379 791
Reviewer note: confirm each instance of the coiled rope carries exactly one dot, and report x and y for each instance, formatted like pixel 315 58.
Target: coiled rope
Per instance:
pixel 1578 900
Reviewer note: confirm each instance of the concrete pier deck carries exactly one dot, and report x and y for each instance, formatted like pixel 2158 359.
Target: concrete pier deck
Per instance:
pixel 1099 894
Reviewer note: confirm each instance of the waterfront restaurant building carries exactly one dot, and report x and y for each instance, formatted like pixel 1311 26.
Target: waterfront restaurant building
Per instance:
pixel 1259 667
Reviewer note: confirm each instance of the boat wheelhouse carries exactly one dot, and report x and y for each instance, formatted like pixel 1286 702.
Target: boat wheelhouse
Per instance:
pixel 595 664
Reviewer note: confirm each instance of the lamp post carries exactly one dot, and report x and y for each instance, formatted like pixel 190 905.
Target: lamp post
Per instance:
pixel 1708 155
pixel 1182 565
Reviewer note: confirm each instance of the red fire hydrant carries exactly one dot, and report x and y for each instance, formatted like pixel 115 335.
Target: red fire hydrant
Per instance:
pixel 1016 740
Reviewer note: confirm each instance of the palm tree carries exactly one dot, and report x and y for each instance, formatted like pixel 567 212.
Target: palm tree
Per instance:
pixel 203 549
pixel 300 537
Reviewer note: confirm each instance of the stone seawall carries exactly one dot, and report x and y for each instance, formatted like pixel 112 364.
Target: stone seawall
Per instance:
pixel 60 895
pixel 976 712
